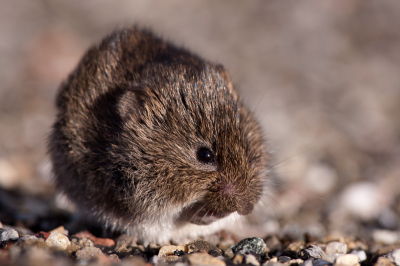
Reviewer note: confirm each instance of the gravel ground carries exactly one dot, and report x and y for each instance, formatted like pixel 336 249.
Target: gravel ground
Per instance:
pixel 321 76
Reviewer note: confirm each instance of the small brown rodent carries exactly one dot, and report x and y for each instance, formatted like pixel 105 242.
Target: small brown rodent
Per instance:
pixel 152 139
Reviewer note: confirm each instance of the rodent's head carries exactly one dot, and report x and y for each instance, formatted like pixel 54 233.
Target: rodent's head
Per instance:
pixel 191 147
pixel 150 134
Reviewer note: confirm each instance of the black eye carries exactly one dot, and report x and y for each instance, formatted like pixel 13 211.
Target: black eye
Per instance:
pixel 204 155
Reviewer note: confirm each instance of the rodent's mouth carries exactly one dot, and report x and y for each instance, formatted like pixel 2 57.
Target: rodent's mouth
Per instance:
pixel 200 214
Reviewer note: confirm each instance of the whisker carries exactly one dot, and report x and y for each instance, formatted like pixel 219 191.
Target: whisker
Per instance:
pixel 196 213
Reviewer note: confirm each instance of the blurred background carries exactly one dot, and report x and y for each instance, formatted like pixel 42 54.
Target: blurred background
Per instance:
pixel 323 78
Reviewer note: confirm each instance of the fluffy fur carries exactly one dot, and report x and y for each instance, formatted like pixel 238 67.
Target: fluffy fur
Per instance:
pixel 131 120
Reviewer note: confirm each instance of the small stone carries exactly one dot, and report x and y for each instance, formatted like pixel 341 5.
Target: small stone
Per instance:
pixel 61 230
pixel 284 259
pixel 180 264
pixel 170 250
pixel 295 262
pixel 155 260
pixel 8 234
pixel 204 259
pixel 382 261
pixel 347 260
pixel 360 254
pixel 133 260
pixel 296 246
pixel 238 259
pixel 229 253
pixel 394 257
pixel 43 235
pixel 311 251
pixel 330 258
pixel 226 243
pixel 74 247
pixel 362 200
pixel 88 253
pixel 387 249
pixel 114 258
pixel 107 242
pixel 336 248
pixel 357 245
pixel 251 259
pixel 321 262
pixel 171 253
pixel 273 243
pixel 273 262
pixel 122 249
pixel 385 237
pixel 252 245
pixel 308 262
pixel 199 245
pixel 57 241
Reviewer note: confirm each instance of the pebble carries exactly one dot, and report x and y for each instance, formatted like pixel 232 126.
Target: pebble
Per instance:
pixel 61 230
pixel 308 262
pixel 360 253
pixel 394 257
pixel 204 259
pixel 226 243
pixel 58 241
pixel 311 251
pixel 347 260
pixel 273 243
pixel 238 259
pixel 362 200
pixel 251 259
pixel 88 253
pixel 8 234
pixel 229 253
pixel 273 262
pixel 336 248
pixel 168 253
pixel 382 261
pixel 284 259
pixel 386 237
pixel 200 245
pixel 296 246
pixel 132 261
pixel 252 245
pixel 169 250
pixel 107 242
pixel 321 263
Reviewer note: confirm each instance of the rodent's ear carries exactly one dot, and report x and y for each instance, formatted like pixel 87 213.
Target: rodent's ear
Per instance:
pixel 131 102
pixel 222 71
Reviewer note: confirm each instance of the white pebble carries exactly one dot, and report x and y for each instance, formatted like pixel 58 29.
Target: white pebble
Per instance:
pixel 336 247
pixel 251 259
pixel 8 234
pixel 362 199
pixel 360 254
pixel 385 236
pixel 58 241
pixel 394 257
pixel 8 174
pixel 347 260
pixel 320 178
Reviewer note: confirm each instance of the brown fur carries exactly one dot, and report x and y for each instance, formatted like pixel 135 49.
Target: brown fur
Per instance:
pixel 130 121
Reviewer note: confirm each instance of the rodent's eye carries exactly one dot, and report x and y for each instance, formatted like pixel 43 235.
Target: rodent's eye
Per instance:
pixel 204 155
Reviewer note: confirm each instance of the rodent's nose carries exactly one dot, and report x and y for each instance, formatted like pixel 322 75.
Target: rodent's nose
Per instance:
pixel 228 189
pixel 231 199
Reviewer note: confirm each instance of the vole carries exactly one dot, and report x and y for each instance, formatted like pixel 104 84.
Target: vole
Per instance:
pixel 152 139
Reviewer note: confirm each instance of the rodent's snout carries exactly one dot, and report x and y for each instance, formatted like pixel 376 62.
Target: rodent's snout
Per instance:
pixel 228 196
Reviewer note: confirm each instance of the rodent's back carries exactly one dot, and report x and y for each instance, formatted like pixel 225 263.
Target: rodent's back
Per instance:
pixel 138 121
